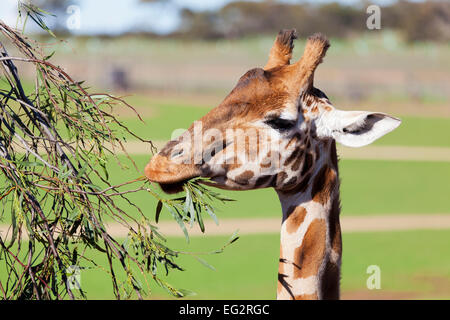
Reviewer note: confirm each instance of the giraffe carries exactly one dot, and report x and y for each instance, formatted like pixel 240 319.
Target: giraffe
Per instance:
pixel 276 129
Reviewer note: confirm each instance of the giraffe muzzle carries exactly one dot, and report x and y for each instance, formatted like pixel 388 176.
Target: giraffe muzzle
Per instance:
pixel 169 175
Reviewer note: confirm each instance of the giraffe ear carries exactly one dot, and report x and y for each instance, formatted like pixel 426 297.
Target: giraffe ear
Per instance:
pixel 356 128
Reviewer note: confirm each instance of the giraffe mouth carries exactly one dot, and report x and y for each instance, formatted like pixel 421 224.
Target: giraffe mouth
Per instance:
pixel 175 187
pixel 170 176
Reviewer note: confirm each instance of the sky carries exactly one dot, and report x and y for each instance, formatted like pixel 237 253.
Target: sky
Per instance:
pixel 117 16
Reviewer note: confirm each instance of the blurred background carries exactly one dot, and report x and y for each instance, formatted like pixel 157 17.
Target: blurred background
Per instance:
pixel 174 60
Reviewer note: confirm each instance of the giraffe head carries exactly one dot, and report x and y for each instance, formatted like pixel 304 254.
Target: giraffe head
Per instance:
pixel 269 131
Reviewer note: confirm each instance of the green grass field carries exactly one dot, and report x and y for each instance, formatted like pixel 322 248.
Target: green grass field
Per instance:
pixel 251 264
pixel 247 269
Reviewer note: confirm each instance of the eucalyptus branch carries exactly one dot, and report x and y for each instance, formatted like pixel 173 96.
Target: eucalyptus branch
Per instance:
pixel 55 187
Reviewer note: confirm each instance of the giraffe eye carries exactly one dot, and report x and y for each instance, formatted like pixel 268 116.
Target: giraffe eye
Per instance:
pixel 280 124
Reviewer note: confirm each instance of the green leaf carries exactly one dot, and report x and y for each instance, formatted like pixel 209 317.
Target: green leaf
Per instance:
pixel 206 264
pixel 178 220
pixel 64 172
pixel 126 244
pixel 212 215
pixel 28 225
pixel 158 210
pixel 137 283
pixel 186 293
pixel 49 56
pixel 189 207
pixel 200 221
pixel 82 171
pixel 156 233
pixel 13 223
pixel 105 171
pixel 73 216
pixel 30 164
pixel 187 202
pixel 234 237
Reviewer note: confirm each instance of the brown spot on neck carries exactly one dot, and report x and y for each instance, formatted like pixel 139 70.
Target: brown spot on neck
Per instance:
pixel 295 218
pixel 310 254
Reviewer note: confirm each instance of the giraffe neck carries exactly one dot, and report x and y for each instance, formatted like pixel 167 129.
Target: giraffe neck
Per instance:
pixel 311 246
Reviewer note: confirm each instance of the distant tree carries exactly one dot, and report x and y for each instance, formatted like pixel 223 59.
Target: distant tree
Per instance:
pixel 334 19
pixel 240 18
pixel 425 21
pixel 243 18
pixel 428 20
pixel 202 25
